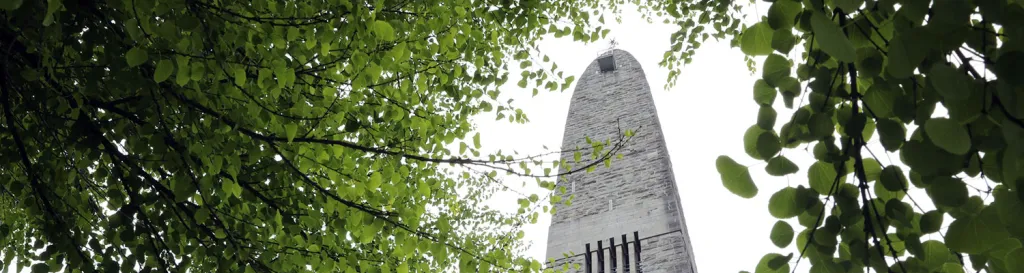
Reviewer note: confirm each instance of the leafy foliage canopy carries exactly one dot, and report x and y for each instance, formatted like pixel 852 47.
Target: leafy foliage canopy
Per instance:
pixel 939 83
pixel 266 136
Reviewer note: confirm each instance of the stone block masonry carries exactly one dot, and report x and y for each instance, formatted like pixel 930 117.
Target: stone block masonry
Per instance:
pixel 637 193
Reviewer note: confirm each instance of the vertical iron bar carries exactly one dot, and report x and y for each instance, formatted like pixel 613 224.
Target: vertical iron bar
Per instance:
pixel 636 251
pixel 612 265
pixel 600 257
pixel 625 254
pixel 586 256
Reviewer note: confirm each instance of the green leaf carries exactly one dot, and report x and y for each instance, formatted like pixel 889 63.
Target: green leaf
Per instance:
pixel 735 177
pixel 763 267
pixel 476 141
pixel 233 188
pixel 750 139
pixel 899 211
pixel 383 30
pixel 39 268
pixel 821 176
pixel 367 234
pixel 188 22
pixel 51 8
pixel 976 234
pixel 290 130
pixel 951 13
pixel 948 135
pixel 136 56
pixel 935 255
pixel 1009 65
pixel 766 117
pixel 780 165
pixel 892 178
pixel 1015 260
pixel 870 63
pixel 782 234
pixel 926 159
pixel 757 40
pixel 764 94
pixel 239 76
pixel 947 191
pixel 953 268
pixel 931 221
pixel 831 39
pixel 880 100
pixel 768 144
pixel 872 169
pixel 164 68
pixel 950 83
pixel 785 204
pixel 776 67
pixel 10 5
pixel 782 14
pixel 376 179
pixel 820 125
pixel 849 6
pixel 183 76
pixel 1009 206
pixel 783 41
pixel 778 262
pixel 906 51
pixel 892 134
pixel 203 214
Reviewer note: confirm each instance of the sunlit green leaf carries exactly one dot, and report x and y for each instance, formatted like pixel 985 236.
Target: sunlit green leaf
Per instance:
pixel 892 178
pixel 384 30
pixel 757 40
pixel 821 176
pixel 831 39
pixel 775 68
pixel 975 235
pixel 763 267
pixel 764 94
pixel 735 177
pixel 766 117
pixel 290 130
pixel 948 135
pixel 768 144
pixel 780 165
pixel 783 40
pixel 935 254
pixel 785 204
pixel 782 14
pixel 782 234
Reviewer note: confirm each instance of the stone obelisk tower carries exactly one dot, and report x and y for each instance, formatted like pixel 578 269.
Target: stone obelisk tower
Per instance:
pixel 636 197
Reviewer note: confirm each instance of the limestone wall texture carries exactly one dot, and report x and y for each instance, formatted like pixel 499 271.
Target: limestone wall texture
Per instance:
pixel 637 193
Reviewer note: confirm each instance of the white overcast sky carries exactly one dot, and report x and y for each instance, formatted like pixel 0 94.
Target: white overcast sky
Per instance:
pixel 703 116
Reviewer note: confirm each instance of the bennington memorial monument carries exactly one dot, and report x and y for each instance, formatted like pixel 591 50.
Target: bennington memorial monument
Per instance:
pixel 627 217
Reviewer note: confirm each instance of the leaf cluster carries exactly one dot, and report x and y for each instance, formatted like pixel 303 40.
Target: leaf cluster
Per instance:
pixel 935 82
pixel 266 136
